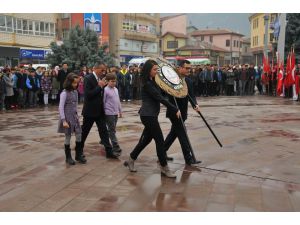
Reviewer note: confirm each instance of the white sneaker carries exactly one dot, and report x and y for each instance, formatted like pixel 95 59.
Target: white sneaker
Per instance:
pixel 165 170
pixel 130 164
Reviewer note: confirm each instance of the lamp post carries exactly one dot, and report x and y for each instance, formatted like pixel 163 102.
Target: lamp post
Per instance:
pixel 266 18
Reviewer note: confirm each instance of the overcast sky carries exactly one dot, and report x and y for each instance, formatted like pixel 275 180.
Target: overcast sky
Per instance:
pixel 238 22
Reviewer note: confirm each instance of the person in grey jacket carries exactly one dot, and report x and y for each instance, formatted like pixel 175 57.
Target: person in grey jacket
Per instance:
pixel 9 91
pixel 149 111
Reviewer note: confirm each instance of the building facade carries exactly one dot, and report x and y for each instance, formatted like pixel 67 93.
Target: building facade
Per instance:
pixel 98 22
pixel 246 54
pixel 134 35
pixel 26 37
pixel 225 39
pixel 175 23
pixel 171 42
pixel 257 35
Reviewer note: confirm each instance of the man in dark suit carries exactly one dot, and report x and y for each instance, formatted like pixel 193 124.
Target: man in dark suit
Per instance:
pixel 93 110
pixel 177 129
pixel 62 75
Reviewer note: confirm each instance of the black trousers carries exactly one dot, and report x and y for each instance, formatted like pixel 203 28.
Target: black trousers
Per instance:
pixel 177 130
pixel 102 130
pixel 151 131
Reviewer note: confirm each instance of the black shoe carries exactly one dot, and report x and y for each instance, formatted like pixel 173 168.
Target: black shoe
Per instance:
pixel 169 158
pixel 79 153
pixel 192 162
pixel 111 155
pixel 70 161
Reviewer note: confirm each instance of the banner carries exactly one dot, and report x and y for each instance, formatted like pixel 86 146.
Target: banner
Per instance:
pixel 93 21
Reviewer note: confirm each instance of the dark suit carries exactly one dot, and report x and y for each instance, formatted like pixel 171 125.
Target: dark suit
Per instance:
pixel 177 129
pixel 93 111
pixel 61 77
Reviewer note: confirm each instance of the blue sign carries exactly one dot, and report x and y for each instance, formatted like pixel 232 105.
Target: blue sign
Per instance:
pixel 33 53
pixel 93 21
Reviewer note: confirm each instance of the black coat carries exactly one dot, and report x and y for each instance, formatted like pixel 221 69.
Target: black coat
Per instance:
pixel 93 98
pixel 151 99
pixel 183 102
pixel 61 77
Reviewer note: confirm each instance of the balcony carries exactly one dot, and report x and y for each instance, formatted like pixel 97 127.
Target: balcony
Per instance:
pixel 141 16
pixel 133 35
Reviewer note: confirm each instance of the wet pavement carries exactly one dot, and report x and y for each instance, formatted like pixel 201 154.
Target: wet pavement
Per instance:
pixel 258 169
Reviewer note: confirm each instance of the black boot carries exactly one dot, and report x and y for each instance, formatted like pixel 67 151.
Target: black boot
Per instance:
pixel 69 159
pixel 79 151
pixel 110 154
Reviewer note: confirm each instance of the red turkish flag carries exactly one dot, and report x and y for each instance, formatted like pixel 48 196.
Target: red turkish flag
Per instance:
pixel 280 81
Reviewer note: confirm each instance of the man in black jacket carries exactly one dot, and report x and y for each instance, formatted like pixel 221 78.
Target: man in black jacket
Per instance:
pixel 177 129
pixel 62 75
pixel 93 111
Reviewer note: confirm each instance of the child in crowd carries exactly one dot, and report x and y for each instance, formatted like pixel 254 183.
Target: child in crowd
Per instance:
pixel 81 89
pixel 46 84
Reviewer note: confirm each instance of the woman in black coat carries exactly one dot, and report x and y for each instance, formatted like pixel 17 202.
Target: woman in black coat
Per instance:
pixel 149 111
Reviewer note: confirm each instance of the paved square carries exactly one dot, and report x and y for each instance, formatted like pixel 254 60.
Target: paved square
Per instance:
pixel 258 169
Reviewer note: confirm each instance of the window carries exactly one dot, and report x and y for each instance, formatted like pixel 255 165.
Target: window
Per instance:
pixel 129 25
pixel 37 28
pixel 19 26
pixel 65 15
pixel 42 28
pixel 227 43
pixel 65 33
pixel 172 44
pixel 9 24
pixel 52 29
pixel 246 50
pixel 2 23
pixel 202 38
pixel 25 27
pixel 47 29
pixel 211 38
pixel 30 27
pixel 152 29
pixel 255 23
pixel 234 43
pixel 255 40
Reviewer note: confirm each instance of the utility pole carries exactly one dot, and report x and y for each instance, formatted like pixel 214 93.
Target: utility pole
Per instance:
pixel 266 18
pixel 281 38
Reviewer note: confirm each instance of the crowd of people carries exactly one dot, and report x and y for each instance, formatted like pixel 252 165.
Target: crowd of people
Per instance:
pixel 23 87
pixel 236 80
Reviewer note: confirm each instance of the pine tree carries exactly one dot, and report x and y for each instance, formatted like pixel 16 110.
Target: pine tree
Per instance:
pixel 80 49
pixel 292 37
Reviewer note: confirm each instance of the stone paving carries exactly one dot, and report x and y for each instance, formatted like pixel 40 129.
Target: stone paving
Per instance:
pixel 258 169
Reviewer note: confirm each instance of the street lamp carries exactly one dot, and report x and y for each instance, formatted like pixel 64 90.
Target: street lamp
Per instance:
pixel 266 19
